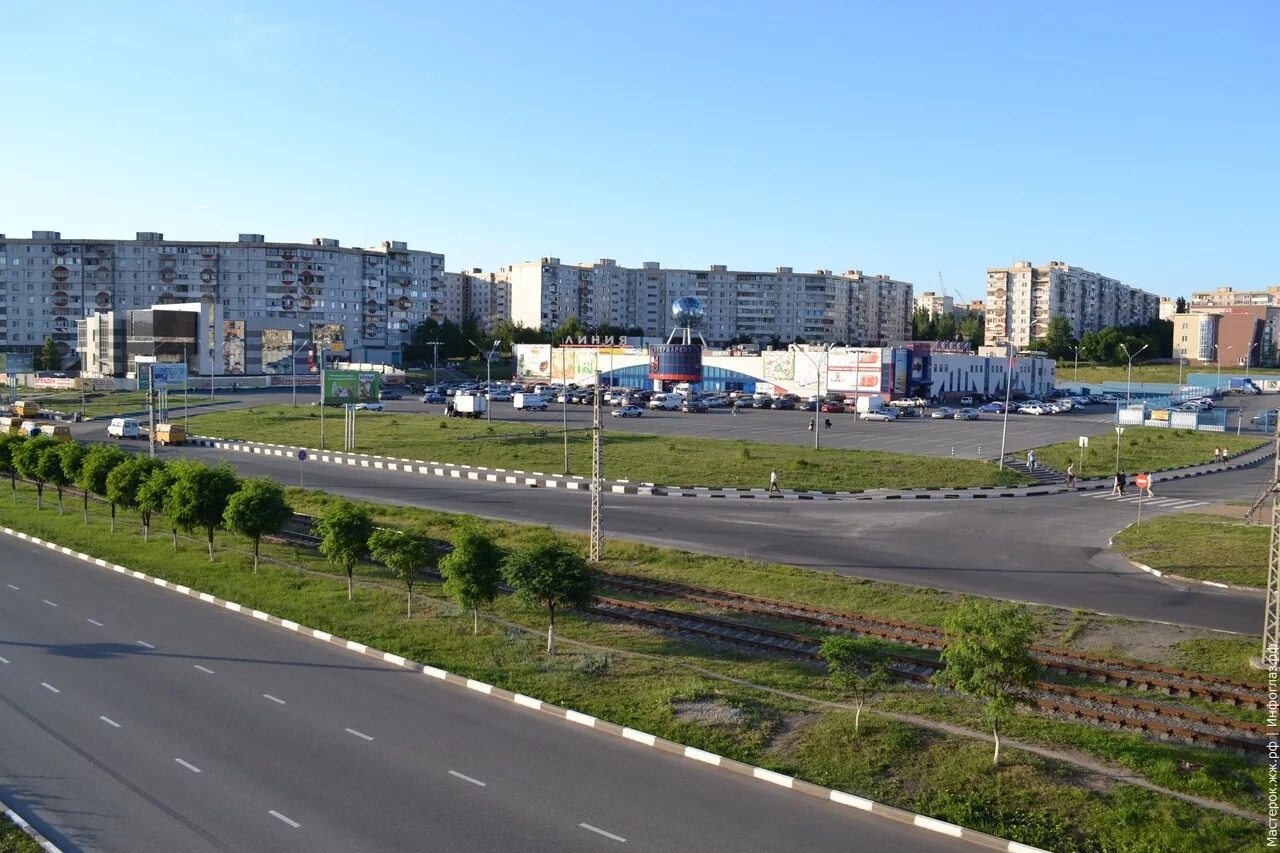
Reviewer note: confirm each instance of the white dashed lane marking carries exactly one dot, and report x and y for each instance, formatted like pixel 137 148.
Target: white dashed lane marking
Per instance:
pixel 11 586
pixel 110 722
pixel 275 814
pixel 188 765
pixel 95 622
pixel 360 735
pixel 600 831
pixel 204 669
pixel 4 660
pixel 465 778
pixel 144 645
pixel 47 686
pixel 50 603
pixel 273 699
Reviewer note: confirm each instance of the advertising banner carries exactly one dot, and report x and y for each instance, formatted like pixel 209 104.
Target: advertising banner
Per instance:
pixel 329 336
pixel 854 371
pixel 351 386
pixel 277 348
pixel 53 382
pixel 232 347
pixel 166 375
pixel 306 379
pixel 15 362
pixel 779 367
pixel 584 369
pixel 676 362
pixel 533 361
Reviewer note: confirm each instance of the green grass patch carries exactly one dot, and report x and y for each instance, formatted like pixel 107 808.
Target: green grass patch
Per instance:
pixel 670 460
pixel 1142 449
pixel 99 404
pixel 14 840
pixel 1228 656
pixel 1200 547
pixel 1163 373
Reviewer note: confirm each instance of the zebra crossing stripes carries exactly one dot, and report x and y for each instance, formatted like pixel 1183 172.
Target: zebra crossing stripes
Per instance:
pixel 1148 503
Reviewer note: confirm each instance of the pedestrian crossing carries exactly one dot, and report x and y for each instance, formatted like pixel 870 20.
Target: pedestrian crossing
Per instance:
pixel 1156 503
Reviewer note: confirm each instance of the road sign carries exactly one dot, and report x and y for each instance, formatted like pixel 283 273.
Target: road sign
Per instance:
pixel 302 456
pixel 15 362
pixel 1084 441
pixel 1141 481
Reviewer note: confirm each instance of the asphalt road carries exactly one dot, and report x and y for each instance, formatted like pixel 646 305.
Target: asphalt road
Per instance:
pixel 136 719
pixel 1048 550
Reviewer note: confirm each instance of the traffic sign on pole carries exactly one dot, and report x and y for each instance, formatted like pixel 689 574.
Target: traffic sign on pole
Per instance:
pixel 1142 481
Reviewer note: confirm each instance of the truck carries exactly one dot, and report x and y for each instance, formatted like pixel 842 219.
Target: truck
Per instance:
pixel 467 406
pixel 170 434
pixel 669 402
pixel 1244 386
pixel 870 403
pixel 26 409
pixel 529 402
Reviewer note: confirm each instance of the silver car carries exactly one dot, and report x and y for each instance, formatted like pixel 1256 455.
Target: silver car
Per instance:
pixel 966 415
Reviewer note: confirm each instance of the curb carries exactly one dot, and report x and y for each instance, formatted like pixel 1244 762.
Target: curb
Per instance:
pixel 730 765
pixel 534 479
pixel 33 833
pixel 1169 576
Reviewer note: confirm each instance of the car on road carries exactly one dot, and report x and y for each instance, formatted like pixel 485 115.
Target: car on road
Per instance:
pixel 879 415
pixel 369 407
pixel 693 406
pixel 832 407
pixel 391 395
pixel 1033 409
pixel 433 397
pixel 627 412
pixel 944 412
pixel 966 415
pixel 500 395
pixel 992 408
pixel 784 403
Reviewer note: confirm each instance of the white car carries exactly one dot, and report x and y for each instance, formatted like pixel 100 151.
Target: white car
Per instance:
pixel 966 415
pixel 627 412
pixel 1033 410
pixel 879 415
pixel 369 407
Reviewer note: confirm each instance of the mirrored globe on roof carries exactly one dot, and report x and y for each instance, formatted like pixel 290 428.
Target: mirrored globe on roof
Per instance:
pixel 687 311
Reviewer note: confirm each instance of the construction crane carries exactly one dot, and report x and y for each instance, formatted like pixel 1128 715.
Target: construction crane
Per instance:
pixel 943 287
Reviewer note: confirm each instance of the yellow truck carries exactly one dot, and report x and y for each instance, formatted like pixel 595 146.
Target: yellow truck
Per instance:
pixel 58 432
pixel 170 434
pixel 26 408
pixel 10 425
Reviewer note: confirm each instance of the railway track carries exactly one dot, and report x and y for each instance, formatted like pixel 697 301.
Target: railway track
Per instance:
pixel 1073 702
pixel 1125 673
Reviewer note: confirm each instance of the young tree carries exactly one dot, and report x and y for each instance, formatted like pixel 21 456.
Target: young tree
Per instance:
pixel 550 573
pixel 70 459
pixel 199 495
pixel 987 657
pixel 50 356
pixel 472 571
pixel 857 668
pixel 9 444
pixel 51 470
pixel 257 509
pixel 947 329
pixel 407 554
pixel 27 460
pixel 124 487
pixel 1058 340
pixel 97 466
pixel 152 496
pixel 972 328
pixel 344 534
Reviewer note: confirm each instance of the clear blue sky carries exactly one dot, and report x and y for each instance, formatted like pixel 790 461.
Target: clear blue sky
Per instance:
pixel 1140 140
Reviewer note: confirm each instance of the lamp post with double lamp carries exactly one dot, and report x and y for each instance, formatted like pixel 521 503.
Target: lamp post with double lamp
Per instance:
pixel 1248 359
pixel 1217 353
pixel 293 362
pixel 488 375
pixel 1075 373
pixel 817 406
pixel 1119 432
pixel 1128 385
pixel 1008 399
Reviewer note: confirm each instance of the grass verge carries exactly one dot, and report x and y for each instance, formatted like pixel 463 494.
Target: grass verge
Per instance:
pixel 730 702
pixel 671 460
pixel 99 404
pixel 1200 547
pixel 1143 449
pixel 1163 373
pixel 14 840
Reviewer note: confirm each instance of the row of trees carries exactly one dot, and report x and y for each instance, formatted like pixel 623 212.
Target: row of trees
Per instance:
pixel 1109 345
pixel 456 338
pixel 987 657
pixel 927 326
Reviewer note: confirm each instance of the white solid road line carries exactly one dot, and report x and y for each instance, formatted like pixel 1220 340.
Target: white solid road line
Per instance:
pixel 188 765
pixel 144 645
pixel 110 722
pixel 4 660
pixel 275 814
pixel 600 831
pixel 361 735
pixel 50 603
pixel 273 699
pixel 204 669
pixel 95 622
pixel 47 686
pixel 11 586
pixel 466 778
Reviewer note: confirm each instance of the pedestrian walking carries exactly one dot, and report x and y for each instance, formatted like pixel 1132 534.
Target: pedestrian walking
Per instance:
pixel 1118 484
pixel 1225 455
pixel 810 424
pixel 1071 476
pixel 826 423
pixel 1217 454
pixel 1150 480
pixel 773 482
pixel 1031 460
pixel 735 408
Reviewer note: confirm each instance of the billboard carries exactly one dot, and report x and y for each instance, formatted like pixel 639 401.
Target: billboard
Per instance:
pixel 779 367
pixel 60 382
pixel 676 362
pixel 351 386
pixel 533 361
pixel 855 371
pixel 15 362
pixel 232 347
pixel 166 375
pixel 277 350
pixel 329 336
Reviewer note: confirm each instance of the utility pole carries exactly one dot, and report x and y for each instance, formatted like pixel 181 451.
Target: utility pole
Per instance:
pixel 1271 620
pixel 597 473
pixel 564 404
pixel 1008 398
pixel 151 410
pixel 435 362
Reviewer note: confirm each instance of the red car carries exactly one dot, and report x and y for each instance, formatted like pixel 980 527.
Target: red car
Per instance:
pixel 832 407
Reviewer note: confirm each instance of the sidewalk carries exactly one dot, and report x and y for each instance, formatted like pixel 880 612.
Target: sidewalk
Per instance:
pixel 535 479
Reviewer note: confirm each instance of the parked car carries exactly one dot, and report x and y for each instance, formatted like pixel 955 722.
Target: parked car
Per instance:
pixel 500 395
pixel 627 412
pixel 433 397
pixel 785 403
pixel 967 401
pixel 391 395
pixel 1037 409
pixel 943 412
pixel 879 415
pixel 992 408
pixel 691 406
pixel 832 407
pixel 966 415
pixel 369 407
pixel 762 402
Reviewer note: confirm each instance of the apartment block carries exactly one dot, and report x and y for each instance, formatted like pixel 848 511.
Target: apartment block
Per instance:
pixel 361 301
pixel 821 306
pixel 473 292
pixel 1022 299
pixel 1227 297
pixel 935 304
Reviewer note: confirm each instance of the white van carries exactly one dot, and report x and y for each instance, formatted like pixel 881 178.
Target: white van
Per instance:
pixel 668 402
pixel 123 428
pixel 529 402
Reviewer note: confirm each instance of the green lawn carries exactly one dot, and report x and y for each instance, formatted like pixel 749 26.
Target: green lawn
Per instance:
pixel 1142 449
pixel 669 460
pixel 1200 547
pixel 650 682
pixel 99 404
pixel 14 840
pixel 1166 373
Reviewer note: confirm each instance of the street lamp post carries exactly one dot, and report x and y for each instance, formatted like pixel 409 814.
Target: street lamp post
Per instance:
pixel 293 360
pixel 1119 432
pixel 1008 398
pixel 488 376
pixel 1128 385
pixel 817 407
pixel 564 403
pixel 1248 359
pixel 1181 363
pixel 1075 373
pixel 435 362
